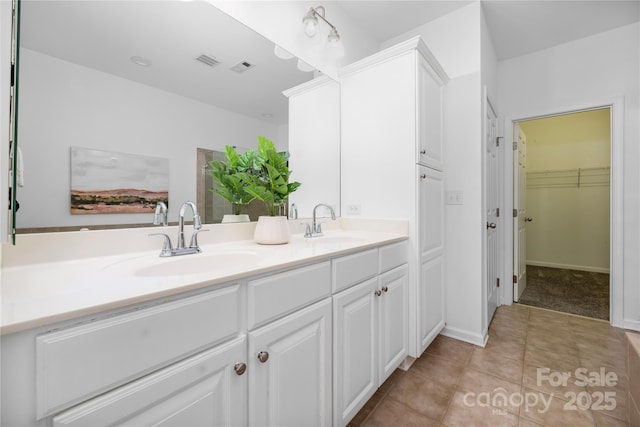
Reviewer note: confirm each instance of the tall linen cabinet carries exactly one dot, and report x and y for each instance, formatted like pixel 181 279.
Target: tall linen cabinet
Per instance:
pixel 392 165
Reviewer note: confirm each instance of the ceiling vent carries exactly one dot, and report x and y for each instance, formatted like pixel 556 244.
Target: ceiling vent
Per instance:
pixel 241 67
pixel 207 60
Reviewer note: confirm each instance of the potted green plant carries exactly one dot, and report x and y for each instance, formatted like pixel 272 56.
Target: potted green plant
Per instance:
pixel 268 181
pixel 230 186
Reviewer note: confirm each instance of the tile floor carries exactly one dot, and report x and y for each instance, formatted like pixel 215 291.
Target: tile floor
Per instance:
pixel 459 384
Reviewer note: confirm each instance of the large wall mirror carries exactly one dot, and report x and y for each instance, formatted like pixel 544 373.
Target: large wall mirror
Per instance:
pixel 155 80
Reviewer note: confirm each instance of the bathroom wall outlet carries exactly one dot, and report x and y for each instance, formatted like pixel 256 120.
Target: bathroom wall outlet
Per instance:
pixel 354 210
pixel 454 197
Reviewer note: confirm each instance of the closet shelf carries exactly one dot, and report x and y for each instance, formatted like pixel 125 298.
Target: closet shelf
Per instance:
pixel 569 178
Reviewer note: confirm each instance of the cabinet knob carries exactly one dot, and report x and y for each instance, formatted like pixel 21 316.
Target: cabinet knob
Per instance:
pixel 263 356
pixel 385 288
pixel 378 292
pixel 240 368
pixel 423 176
pixel 491 225
pixel 423 151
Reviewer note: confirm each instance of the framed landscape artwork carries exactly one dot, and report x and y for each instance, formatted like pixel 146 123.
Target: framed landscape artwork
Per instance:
pixel 106 182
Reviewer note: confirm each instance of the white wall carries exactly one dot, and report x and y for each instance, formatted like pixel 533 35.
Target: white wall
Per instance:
pixel 585 72
pixel 64 105
pixel 464 232
pixel 453 39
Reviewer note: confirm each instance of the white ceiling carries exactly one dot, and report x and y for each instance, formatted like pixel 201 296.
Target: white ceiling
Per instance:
pixel 105 34
pixel 517 27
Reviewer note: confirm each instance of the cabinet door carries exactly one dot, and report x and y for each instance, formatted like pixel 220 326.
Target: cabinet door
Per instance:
pixel 430 142
pixel 430 212
pixel 355 349
pixel 431 240
pixel 431 301
pixel 204 390
pixel 393 321
pixel 290 366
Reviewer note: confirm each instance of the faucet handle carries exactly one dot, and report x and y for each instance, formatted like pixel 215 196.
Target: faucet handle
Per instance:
pixel 194 238
pixel 309 231
pixel 166 244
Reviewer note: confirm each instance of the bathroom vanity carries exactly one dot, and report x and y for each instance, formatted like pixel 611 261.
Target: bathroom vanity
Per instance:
pixel 297 334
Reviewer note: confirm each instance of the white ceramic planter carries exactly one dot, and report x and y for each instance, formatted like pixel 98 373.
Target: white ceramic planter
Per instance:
pixel 229 218
pixel 272 230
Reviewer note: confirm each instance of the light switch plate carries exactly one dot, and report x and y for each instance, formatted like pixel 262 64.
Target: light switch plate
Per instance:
pixel 454 197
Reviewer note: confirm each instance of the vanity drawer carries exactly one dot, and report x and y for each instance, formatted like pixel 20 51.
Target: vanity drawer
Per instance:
pixel 394 255
pixel 279 294
pixel 80 362
pixel 352 269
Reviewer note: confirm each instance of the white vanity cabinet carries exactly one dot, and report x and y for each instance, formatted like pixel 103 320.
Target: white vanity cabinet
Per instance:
pixel 370 325
pixel 299 346
pixel 392 164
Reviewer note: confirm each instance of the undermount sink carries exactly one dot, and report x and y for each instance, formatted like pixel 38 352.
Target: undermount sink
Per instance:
pixel 185 265
pixel 197 263
pixel 336 239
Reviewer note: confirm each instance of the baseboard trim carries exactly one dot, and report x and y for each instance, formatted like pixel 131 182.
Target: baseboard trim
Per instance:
pixel 633 325
pixel 466 336
pixel 568 266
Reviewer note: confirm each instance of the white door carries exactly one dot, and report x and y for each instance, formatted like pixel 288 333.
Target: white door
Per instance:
pixel 520 222
pixel 355 349
pixel 491 204
pixel 290 370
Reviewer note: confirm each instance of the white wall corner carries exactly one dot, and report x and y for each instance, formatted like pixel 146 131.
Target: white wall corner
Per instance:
pixel 453 39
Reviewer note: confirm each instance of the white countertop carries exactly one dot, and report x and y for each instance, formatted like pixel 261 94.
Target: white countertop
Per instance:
pixel 43 293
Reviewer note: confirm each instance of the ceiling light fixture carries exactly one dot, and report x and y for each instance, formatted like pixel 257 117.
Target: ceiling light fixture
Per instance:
pixel 310 23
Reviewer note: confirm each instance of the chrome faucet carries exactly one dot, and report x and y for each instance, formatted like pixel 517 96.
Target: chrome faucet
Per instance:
pixel 315 229
pixel 197 225
pixel 181 249
pixel 160 216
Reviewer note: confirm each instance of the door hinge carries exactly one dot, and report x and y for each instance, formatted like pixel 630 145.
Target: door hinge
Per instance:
pixel 515 213
pixel 498 138
pixel 498 212
pixel 515 279
pixel 497 282
pixel 515 145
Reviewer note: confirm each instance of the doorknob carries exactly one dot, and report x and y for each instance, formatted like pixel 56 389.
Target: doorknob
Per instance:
pixel 491 225
pixel 528 219
pixel 263 356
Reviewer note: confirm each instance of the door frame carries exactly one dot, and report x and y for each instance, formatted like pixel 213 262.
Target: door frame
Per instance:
pixel 616 255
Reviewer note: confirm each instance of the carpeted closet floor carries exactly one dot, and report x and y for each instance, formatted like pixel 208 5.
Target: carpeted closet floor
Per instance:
pixel 569 291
